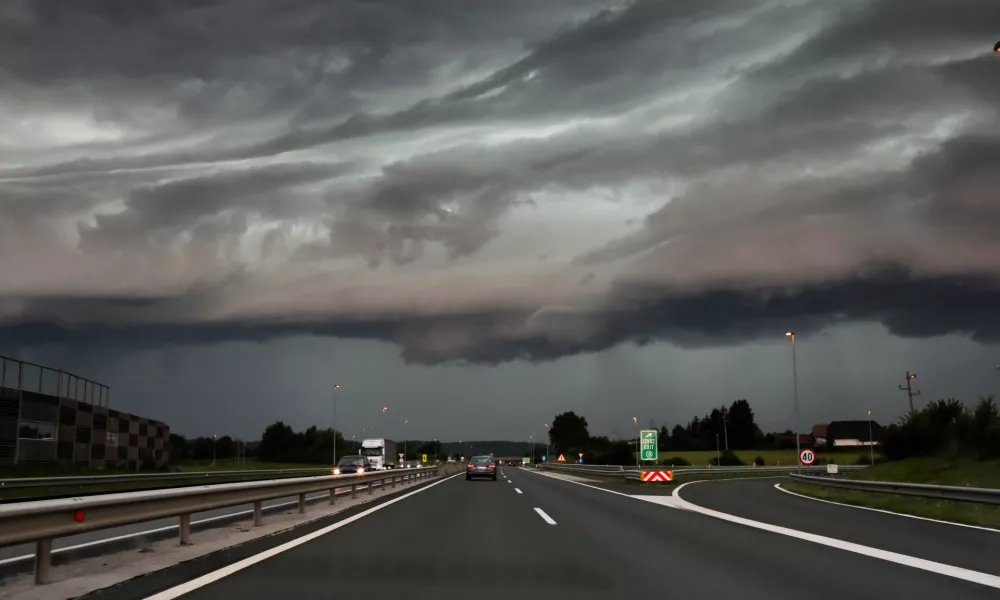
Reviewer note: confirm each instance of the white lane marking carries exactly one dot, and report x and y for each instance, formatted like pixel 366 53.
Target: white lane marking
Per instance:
pixel 127 536
pixel 518 491
pixel 911 561
pixel 509 481
pixel 208 578
pixel 888 512
pixel 544 516
pixel 919 563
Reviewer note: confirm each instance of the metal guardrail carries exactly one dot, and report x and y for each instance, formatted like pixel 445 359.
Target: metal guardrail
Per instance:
pixel 923 490
pixel 85 480
pixel 636 474
pixel 40 521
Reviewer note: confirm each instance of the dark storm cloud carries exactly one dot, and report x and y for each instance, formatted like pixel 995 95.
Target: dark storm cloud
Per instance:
pixel 252 170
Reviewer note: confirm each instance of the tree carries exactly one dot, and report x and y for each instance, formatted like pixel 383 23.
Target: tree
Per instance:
pixel 569 432
pixel 743 432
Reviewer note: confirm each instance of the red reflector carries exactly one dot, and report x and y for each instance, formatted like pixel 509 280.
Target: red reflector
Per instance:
pixel 78 516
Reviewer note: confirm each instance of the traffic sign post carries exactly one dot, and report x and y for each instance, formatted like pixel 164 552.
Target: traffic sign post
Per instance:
pixel 561 458
pixel 648 444
pixel 807 457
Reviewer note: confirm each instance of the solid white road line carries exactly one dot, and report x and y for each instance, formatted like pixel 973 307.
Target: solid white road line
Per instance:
pixel 518 491
pixel 544 516
pixel 911 561
pixel 888 512
pixel 208 578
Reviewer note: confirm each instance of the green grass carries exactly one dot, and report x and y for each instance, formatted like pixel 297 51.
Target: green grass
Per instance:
pixel 701 458
pixel 920 470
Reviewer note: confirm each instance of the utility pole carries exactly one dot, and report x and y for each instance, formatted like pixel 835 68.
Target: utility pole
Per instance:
pixel 908 388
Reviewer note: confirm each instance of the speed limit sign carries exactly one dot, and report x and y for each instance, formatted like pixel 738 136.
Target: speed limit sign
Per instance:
pixel 807 457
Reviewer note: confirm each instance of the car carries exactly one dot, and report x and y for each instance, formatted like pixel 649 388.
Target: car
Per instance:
pixel 481 466
pixel 352 464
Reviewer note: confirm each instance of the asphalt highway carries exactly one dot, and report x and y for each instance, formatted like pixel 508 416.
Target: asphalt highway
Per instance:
pixel 557 539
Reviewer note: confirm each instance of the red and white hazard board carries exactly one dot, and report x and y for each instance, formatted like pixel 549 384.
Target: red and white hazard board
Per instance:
pixel 657 475
pixel 561 458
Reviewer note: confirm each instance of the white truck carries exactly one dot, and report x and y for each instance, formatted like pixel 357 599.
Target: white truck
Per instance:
pixel 380 452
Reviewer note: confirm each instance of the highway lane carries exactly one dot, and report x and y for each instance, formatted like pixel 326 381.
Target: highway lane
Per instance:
pixel 757 499
pixel 484 538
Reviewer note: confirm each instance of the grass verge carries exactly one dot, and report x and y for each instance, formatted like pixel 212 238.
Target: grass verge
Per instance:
pixel 701 458
pixel 934 471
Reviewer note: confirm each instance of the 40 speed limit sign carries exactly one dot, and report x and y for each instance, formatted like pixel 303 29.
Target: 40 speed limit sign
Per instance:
pixel 807 457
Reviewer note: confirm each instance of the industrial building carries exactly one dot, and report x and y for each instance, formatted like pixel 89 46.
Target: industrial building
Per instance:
pixel 51 416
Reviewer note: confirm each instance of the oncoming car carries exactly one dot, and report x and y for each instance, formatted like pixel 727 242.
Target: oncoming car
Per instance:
pixel 481 466
pixel 354 464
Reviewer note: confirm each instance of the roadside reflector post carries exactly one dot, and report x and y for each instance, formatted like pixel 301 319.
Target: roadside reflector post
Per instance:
pixel 43 560
pixel 393 482
pixel 302 503
pixel 258 514
pixel 354 491
pixel 371 488
pixel 333 496
pixel 185 529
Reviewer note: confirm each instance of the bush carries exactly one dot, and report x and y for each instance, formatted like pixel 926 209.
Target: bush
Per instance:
pixel 676 461
pixel 727 459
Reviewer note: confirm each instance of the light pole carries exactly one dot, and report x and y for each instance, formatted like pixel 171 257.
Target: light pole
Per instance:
pixel 215 438
pixel 404 439
pixel 795 401
pixel 871 440
pixel 725 428
pixel 638 441
pixel 718 454
pixel 548 441
pixel 336 387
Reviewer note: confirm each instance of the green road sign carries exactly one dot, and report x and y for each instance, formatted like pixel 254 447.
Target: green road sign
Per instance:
pixel 647 444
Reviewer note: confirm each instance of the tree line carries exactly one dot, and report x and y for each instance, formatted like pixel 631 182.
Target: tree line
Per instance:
pixel 947 428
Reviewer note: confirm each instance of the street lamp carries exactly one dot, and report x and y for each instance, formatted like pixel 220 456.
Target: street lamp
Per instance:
pixel 638 441
pixel 795 401
pixel 336 387
pixel 215 438
pixel 548 441
pixel 404 439
pixel 871 440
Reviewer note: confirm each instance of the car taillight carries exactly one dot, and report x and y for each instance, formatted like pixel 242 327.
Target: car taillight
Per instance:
pixel 470 465
pixel 492 466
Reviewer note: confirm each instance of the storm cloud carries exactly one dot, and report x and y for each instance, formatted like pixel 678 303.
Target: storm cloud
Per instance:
pixel 497 181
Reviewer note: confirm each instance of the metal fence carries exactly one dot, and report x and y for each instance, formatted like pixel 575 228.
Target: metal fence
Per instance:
pixel 636 474
pixel 92 480
pixel 922 490
pixel 41 521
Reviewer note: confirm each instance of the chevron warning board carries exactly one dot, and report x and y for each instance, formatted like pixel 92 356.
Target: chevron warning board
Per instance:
pixel 657 475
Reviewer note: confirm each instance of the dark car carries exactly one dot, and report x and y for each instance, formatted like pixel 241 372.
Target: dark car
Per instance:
pixel 481 466
pixel 351 465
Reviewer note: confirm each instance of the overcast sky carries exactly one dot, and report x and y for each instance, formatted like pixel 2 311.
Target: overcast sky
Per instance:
pixel 481 212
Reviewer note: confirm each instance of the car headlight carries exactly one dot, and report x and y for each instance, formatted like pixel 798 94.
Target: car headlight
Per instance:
pixel 361 470
pixel 336 471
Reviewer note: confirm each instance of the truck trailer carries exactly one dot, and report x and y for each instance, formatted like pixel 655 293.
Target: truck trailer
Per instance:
pixel 380 452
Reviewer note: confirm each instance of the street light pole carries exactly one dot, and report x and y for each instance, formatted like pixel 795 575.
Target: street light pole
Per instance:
pixel 718 454
pixel 548 442
pixel 638 441
pixel 871 440
pixel 336 387
pixel 795 400
pixel 404 439
pixel 215 438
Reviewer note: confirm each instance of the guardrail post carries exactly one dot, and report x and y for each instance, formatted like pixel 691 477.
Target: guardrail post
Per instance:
pixel 354 491
pixel 371 487
pixel 185 529
pixel 43 560
pixel 333 496
pixel 393 479
pixel 258 514
pixel 302 503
